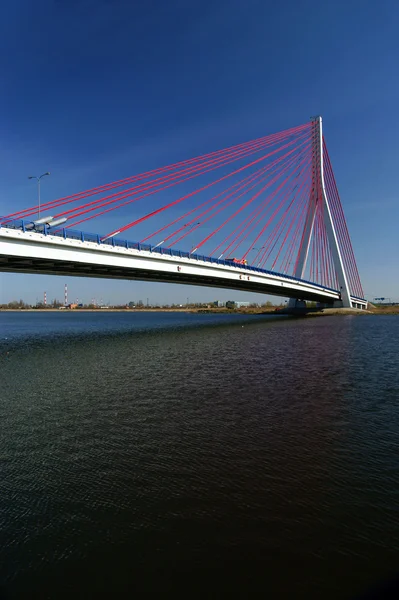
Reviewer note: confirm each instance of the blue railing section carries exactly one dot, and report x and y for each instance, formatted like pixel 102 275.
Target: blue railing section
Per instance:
pixel 82 236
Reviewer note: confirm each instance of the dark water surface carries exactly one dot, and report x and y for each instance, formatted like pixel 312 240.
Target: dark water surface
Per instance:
pixel 197 455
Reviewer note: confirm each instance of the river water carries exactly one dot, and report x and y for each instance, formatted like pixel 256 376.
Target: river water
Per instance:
pixel 197 455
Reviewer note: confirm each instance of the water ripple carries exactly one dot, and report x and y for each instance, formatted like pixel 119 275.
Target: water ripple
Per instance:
pixel 143 453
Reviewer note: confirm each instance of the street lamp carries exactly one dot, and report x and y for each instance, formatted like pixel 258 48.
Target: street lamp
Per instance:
pixel 38 186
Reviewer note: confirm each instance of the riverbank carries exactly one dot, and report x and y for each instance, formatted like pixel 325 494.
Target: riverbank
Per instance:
pixel 204 310
pixel 389 310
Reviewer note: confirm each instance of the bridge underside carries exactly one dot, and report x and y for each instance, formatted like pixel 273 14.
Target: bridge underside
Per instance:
pixel 17 264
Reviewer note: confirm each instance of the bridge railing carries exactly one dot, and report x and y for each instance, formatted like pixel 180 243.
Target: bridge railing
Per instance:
pixel 96 238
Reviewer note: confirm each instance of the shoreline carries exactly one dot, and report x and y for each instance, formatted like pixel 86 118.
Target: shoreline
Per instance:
pixel 393 310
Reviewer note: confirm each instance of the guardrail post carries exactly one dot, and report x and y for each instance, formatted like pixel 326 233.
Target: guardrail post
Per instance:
pixel 64 233
pixel 82 236
pixel 138 246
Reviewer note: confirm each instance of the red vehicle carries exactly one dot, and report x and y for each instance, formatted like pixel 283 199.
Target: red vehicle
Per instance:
pixel 238 261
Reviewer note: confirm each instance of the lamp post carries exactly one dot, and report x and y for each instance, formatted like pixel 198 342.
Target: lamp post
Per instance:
pixel 38 187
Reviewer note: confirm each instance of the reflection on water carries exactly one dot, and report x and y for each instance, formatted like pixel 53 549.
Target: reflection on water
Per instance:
pixel 199 454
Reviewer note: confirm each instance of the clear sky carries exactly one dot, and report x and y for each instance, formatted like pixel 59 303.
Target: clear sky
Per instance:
pixel 98 90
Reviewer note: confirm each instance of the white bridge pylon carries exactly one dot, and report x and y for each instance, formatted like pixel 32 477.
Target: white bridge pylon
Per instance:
pixel 318 194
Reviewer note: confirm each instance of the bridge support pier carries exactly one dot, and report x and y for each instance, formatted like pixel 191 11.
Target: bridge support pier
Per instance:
pixel 298 307
pixel 298 304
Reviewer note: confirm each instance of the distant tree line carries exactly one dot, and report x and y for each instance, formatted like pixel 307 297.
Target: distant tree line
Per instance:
pixel 16 304
pixel 230 304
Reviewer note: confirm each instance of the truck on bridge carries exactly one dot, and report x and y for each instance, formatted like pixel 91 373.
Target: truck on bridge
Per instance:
pixel 237 261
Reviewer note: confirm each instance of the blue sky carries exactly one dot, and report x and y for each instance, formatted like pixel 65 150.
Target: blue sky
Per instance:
pixel 97 90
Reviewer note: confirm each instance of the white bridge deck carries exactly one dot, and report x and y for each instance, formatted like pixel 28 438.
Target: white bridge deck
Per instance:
pixel 45 253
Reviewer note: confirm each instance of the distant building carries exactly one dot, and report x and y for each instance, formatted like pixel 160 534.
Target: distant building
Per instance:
pixel 219 303
pixel 242 304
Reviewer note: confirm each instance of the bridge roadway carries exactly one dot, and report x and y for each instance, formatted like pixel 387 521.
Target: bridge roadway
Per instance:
pixel 75 253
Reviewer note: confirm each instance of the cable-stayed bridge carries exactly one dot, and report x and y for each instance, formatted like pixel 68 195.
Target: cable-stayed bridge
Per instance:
pixel 263 216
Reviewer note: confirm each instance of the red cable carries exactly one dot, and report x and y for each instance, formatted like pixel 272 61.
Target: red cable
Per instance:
pixel 262 231
pixel 345 228
pixel 196 169
pixel 128 195
pixel 344 243
pixel 290 189
pixel 325 248
pixel 248 231
pixel 338 225
pixel 289 228
pixel 248 178
pixel 187 232
pixel 328 254
pixel 137 221
pixel 271 242
pixel 268 248
pixel 299 220
pixel 122 182
pixel 244 206
pixel 322 257
pixel 273 166
pixel 290 251
pixel 311 217
pixel 311 267
pixel 242 226
pixel 317 247
pixel 339 229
